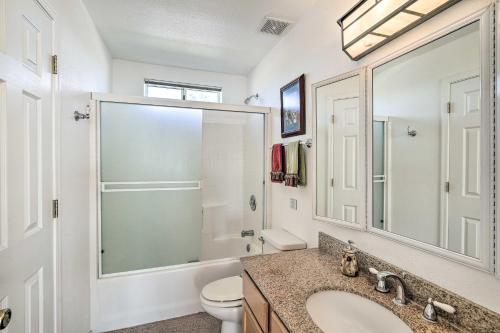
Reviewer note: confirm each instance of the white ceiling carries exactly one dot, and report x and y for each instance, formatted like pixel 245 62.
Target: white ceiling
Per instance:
pixel 214 35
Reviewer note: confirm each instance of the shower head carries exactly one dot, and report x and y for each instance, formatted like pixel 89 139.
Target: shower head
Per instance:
pixel 249 98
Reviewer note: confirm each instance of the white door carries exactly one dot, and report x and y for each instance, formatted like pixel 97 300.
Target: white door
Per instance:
pixel 27 168
pixel 345 194
pixel 464 176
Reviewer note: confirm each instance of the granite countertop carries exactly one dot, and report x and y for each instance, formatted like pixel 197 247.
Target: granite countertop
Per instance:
pixel 287 279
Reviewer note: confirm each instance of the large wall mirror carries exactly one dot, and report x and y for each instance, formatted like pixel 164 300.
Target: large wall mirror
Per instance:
pixel 339 141
pixel 430 175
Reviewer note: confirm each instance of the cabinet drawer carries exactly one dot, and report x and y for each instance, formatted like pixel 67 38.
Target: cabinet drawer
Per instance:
pixel 257 303
pixel 276 325
pixel 250 324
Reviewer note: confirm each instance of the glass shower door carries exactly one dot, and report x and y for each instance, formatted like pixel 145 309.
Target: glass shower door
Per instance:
pixel 150 186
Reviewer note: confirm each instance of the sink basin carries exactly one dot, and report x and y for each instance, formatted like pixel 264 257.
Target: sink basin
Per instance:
pixel 338 311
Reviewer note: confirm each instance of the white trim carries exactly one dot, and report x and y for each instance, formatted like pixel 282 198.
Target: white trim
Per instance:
pixel 178 103
pixel 51 13
pixel 267 219
pixel 95 189
pixel 486 261
pixel 361 73
pixel 4 226
pixel 94 245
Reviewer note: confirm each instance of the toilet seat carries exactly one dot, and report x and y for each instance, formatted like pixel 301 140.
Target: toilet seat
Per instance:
pixel 233 304
pixel 223 293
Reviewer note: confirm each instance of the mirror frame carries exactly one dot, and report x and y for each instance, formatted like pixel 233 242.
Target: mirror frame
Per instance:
pixel 487 38
pixel 361 72
pixel 497 98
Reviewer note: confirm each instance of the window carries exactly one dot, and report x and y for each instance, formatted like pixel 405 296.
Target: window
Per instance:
pixel 182 91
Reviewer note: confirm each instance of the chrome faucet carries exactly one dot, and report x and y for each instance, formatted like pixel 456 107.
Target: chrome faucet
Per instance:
pixel 247 233
pixel 381 286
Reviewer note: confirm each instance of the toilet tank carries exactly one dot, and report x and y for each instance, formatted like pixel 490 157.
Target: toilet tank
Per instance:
pixel 277 240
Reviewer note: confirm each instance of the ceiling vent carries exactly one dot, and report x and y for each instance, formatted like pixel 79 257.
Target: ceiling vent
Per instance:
pixel 274 26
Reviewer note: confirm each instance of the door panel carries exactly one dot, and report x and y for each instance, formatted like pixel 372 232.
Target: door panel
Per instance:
pixel 26 167
pixel 464 167
pixel 345 194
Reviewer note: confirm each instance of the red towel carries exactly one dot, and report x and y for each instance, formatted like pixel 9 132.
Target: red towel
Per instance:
pixel 278 164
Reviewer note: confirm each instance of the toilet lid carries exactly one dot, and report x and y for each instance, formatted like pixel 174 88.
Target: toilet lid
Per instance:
pixel 224 290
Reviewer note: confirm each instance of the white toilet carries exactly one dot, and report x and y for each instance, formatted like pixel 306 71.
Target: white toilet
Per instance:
pixel 223 298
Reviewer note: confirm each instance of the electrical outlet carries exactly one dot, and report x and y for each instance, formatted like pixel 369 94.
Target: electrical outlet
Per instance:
pixel 293 203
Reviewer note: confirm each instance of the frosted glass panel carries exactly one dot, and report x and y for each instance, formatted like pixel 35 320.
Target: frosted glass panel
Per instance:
pixel 150 143
pixel 150 229
pixel 150 186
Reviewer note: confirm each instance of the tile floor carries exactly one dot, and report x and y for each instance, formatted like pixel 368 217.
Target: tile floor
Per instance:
pixel 199 323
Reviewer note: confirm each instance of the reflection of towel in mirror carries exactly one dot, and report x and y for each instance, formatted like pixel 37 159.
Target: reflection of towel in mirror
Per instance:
pixel 295 165
pixel 277 158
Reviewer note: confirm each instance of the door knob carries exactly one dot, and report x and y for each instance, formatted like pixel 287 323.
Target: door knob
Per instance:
pixel 5 315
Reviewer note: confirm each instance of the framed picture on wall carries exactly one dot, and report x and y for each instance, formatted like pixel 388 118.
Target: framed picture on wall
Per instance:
pixel 293 108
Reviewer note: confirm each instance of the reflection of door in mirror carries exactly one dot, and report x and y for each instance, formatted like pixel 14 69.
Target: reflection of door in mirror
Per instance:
pixel 344 197
pixel 426 143
pixel 338 182
pixel 463 173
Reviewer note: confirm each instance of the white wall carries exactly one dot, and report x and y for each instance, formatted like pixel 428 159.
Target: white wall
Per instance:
pixel 128 79
pixel 84 66
pixel 313 47
pixel 222 171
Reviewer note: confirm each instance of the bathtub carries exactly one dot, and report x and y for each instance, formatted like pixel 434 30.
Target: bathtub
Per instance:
pixel 232 246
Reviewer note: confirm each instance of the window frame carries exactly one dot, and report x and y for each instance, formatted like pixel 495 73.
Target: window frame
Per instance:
pixel 184 87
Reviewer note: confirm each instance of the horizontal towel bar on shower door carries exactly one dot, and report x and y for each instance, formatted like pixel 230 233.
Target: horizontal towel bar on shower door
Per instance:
pixel 188 185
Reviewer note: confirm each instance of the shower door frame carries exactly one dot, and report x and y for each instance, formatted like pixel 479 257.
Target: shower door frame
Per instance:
pixel 95 188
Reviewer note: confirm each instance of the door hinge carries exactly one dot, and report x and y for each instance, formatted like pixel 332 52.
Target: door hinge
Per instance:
pixel 55 64
pixel 448 107
pixel 333 119
pixel 331 182
pixel 447 187
pixel 55 209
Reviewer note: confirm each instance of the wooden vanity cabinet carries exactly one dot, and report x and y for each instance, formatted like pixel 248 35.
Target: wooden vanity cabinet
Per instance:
pixel 256 302
pixel 276 325
pixel 257 314
pixel 250 324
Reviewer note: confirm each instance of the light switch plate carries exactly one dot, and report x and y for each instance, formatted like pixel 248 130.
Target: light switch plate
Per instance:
pixel 293 203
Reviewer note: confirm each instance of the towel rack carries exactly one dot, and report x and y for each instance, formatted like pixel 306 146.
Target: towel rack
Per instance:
pixel 148 186
pixel 308 143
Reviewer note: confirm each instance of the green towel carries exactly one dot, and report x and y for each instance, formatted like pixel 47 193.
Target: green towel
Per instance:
pixel 302 166
pixel 295 165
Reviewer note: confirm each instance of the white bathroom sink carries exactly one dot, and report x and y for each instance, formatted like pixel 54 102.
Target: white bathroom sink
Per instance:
pixel 338 311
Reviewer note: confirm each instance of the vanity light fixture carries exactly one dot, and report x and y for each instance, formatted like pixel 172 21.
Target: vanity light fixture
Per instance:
pixel 373 23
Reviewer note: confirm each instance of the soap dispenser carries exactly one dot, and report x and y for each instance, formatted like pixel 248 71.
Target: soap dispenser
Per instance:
pixel 349 260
